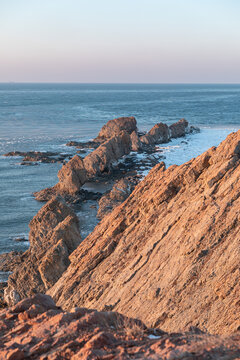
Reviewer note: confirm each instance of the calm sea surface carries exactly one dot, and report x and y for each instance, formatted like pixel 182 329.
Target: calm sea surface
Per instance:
pixel 45 116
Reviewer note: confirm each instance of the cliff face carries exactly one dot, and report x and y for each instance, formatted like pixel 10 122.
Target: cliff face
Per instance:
pixel 54 234
pixel 170 253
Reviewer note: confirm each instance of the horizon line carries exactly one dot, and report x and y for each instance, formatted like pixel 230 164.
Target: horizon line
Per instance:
pixel 119 83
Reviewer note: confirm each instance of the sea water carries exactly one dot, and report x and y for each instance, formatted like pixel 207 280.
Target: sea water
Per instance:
pixel 43 117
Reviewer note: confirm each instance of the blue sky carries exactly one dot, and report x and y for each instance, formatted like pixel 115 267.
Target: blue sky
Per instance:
pixel 153 41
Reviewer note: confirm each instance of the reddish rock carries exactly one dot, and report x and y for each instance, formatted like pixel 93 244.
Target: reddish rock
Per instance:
pixel 105 155
pixel 54 234
pixel 36 329
pixel 157 135
pixel 178 129
pixel 115 126
pixel 72 176
pixel 170 253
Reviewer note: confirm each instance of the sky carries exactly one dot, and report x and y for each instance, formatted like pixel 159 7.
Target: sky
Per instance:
pixel 120 41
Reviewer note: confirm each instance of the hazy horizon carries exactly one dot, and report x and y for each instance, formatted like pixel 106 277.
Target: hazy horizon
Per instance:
pixel 132 42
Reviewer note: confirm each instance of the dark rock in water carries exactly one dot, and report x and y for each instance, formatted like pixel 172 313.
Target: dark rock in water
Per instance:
pixel 54 234
pixel 157 135
pixel 20 239
pixel 28 163
pixel 34 157
pixel 115 126
pixel 84 145
pixel 178 129
pixel 193 129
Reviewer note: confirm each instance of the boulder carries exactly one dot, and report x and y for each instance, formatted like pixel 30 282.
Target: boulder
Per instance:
pixel 169 254
pixel 36 328
pixel 115 126
pixel 178 129
pixel 72 176
pixel 157 135
pixel 54 234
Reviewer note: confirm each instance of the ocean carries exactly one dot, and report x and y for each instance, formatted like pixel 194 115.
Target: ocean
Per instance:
pixel 43 117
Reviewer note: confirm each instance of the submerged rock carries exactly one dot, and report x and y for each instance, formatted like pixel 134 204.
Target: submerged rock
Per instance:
pixel 54 234
pixel 169 254
pixel 36 328
pixel 31 158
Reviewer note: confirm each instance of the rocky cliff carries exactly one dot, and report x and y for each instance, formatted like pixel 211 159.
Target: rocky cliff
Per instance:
pixel 36 329
pixel 170 253
pixel 54 234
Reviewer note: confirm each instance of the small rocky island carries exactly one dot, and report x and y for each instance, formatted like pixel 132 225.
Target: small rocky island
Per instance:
pixel 161 269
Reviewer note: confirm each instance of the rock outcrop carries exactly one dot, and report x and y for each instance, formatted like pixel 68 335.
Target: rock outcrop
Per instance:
pixel 117 138
pixel 157 135
pixel 115 126
pixel 178 129
pixel 120 192
pixel 54 234
pixel 36 329
pixel 77 171
pixel 169 254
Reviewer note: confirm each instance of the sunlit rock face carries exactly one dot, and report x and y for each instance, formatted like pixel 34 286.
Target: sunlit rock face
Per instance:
pixel 169 254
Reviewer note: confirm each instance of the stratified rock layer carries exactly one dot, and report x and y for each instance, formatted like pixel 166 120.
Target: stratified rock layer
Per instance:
pixel 115 126
pixel 36 329
pixel 169 254
pixel 54 234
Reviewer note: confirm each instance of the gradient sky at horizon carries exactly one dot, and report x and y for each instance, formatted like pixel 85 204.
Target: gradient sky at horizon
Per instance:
pixel 134 41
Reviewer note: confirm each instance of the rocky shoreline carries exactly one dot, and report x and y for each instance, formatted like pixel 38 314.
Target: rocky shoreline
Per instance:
pixel 166 252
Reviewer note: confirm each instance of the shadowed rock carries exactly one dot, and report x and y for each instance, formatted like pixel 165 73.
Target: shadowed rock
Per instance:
pixel 178 129
pixel 53 236
pixel 36 329
pixel 120 192
pixel 157 135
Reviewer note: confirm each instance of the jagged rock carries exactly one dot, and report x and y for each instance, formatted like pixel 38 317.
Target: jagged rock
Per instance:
pixel 72 176
pixel 157 135
pixel 169 254
pixel 115 126
pixel 120 191
pixel 77 171
pixel 101 159
pixel 54 234
pixel 136 143
pixel 35 328
pixel 8 261
pixel 178 129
